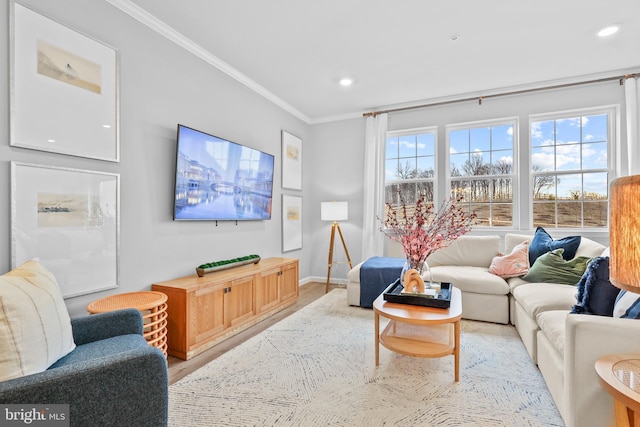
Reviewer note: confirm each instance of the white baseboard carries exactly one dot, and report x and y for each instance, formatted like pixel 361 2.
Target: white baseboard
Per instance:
pixel 322 279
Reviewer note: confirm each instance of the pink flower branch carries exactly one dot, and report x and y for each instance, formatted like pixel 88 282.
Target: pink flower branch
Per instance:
pixel 425 231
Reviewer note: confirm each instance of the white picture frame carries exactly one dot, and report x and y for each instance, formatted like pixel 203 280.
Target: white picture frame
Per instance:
pixel 63 89
pixel 291 161
pixel 69 219
pixel 291 223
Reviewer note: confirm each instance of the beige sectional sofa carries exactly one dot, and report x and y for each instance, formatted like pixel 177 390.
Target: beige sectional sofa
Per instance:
pixel 564 346
pixel 465 264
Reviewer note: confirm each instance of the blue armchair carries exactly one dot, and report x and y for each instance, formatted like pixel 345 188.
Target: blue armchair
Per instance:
pixel 112 378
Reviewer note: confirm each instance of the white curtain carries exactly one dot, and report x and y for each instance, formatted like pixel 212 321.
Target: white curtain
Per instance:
pixel 375 139
pixel 632 101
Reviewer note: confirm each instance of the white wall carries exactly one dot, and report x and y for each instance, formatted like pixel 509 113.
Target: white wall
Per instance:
pixel 338 157
pixel 334 171
pixel 160 85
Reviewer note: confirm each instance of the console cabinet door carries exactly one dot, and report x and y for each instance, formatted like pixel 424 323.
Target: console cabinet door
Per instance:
pixel 206 314
pixel 238 301
pixel 289 282
pixel 268 290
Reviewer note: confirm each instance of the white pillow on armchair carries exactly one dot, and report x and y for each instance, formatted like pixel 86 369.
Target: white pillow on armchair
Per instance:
pixel 35 327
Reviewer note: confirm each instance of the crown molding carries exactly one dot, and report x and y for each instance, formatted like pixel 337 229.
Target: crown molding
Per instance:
pixel 170 33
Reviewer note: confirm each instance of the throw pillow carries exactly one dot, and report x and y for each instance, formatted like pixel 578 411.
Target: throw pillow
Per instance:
pixel 552 268
pixel 513 265
pixel 596 294
pixel 35 328
pixel 627 305
pixel 542 243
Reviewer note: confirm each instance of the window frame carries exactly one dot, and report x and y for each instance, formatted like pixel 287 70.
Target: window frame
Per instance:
pixel 515 177
pixel 612 112
pixel 415 131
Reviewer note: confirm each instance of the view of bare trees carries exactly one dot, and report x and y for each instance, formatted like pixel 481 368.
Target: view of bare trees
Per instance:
pixel 487 189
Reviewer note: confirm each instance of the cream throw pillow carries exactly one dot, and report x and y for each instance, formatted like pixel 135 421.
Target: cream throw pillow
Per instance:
pixel 35 328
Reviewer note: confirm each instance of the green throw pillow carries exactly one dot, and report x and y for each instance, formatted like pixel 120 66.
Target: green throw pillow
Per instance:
pixel 552 268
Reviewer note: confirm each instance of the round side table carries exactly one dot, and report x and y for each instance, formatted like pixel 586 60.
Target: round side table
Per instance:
pixel 151 304
pixel 620 376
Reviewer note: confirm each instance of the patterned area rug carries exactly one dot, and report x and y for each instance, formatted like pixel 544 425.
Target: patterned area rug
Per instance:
pixel 317 368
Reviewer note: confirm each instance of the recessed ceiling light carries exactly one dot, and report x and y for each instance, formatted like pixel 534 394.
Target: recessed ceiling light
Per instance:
pixel 608 30
pixel 346 81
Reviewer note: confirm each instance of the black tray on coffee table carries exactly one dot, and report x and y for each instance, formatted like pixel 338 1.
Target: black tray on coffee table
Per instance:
pixel 394 294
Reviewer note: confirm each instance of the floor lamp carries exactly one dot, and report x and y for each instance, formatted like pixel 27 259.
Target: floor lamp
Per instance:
pixel 624 233
pixel 334 211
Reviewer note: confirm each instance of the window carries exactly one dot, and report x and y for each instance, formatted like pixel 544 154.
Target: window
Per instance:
pixel 410 163
pixel 481 169
pixel 570 168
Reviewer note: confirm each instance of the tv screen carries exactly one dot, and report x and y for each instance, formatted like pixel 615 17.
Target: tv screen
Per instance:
pixel 217 179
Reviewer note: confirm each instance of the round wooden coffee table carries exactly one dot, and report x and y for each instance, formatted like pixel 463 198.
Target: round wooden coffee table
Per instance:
pixel 151 304
pixel 420 331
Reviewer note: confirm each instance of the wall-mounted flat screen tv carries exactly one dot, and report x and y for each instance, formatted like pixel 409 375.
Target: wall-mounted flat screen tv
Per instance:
pixel 217 179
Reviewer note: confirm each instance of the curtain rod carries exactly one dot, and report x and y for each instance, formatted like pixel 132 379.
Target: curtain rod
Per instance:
pixel 517 92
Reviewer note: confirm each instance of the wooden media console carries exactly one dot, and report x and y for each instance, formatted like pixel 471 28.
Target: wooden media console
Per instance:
pixel 203 311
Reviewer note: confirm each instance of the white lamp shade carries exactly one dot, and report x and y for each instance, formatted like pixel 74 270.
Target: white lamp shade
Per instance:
pixel 334 211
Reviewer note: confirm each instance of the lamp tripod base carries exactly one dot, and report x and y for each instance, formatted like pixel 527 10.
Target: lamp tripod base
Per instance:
pixel 335 226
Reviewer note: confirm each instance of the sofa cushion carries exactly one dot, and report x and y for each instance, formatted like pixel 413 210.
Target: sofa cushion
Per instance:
pixel 470 279
pixel 511 240
pixel 512 265
pixel 536 298
pixel 102 348
pixel 590 248
pixel 542 243
pixel 354 274
pixel 552 324
pixel 35 328
pixel 596 295
pixel 627 305
pixel 475 251
pixel 553 268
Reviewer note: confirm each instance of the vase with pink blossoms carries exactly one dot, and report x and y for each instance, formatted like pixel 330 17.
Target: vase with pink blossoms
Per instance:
pixel 421 230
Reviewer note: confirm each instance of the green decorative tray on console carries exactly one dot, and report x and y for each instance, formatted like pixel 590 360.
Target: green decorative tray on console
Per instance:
pixel 210 267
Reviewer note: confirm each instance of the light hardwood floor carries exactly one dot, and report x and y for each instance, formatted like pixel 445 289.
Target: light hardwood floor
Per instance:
pixel 179 368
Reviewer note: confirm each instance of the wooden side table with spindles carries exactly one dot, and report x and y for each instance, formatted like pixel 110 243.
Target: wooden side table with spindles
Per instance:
pixel 151 304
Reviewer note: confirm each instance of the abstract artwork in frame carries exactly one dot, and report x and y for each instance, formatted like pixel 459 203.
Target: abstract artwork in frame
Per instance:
pixel 291 161
pixel 291 223
pixel 69 220
pixel 63 89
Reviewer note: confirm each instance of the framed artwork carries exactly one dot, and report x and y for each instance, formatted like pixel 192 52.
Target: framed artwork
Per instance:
pixel 63 89
pixel 291 223
pixel 291 161
pixel 69 219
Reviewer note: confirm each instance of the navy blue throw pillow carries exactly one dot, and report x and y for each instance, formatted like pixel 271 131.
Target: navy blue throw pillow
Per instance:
pixel 542 243
pixel 596 294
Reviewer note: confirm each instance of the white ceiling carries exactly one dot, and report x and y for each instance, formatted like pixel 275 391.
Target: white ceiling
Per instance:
pixel 399 52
